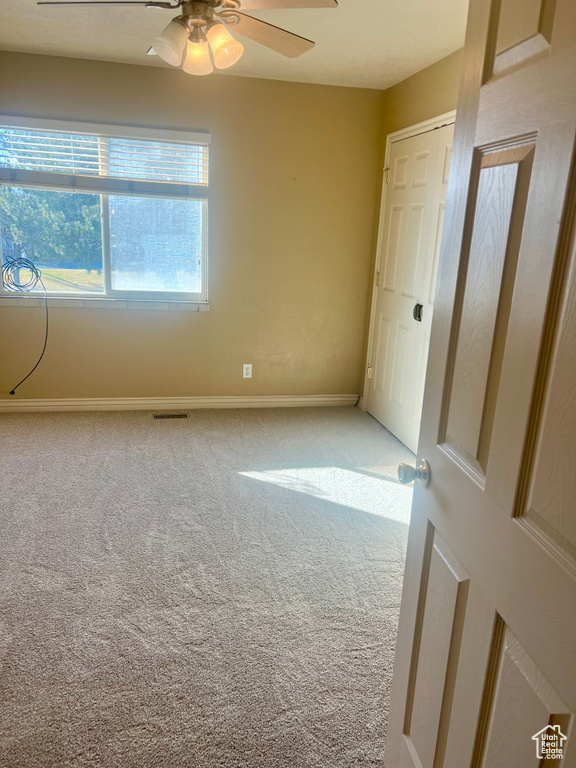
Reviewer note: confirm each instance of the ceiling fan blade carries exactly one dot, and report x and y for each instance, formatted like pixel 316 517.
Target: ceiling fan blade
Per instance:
pixel 106 2
pixel 280 40
pixel 264 5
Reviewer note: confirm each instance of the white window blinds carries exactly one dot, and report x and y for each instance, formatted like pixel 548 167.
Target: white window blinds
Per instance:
pixel 113 161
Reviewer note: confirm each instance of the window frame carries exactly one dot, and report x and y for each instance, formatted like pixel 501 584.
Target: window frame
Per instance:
pixel 104 187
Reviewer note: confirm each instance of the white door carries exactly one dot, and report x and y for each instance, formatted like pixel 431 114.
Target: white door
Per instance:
pixel 486 654
pixel 411 232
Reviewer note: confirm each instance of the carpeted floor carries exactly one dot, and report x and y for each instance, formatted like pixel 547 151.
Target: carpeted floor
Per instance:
pixel 216 591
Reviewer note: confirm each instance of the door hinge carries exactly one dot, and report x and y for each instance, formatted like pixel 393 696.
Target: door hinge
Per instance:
pixel 369 371
pixel 386 172
pixel 377 279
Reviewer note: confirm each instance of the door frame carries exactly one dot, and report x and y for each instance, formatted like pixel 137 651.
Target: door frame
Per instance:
pixel 432 124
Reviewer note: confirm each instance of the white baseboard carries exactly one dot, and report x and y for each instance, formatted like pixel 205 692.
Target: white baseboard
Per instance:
pixel 14 405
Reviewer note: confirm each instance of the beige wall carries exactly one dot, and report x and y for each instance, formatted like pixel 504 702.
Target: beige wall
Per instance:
pixel 295 188
pixel 294 178
pixel 426 94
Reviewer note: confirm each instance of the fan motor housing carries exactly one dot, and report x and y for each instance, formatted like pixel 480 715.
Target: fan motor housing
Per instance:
pixel 198 13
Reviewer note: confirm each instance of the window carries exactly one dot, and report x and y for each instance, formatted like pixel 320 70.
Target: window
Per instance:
pixel 106 211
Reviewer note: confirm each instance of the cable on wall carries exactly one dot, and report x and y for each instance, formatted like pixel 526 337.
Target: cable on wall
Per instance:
pixel 11 280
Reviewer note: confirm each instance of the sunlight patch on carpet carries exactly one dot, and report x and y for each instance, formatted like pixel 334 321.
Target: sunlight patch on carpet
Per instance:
pixel 380 496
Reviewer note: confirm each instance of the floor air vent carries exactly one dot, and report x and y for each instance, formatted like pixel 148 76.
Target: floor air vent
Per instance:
pixel 170 416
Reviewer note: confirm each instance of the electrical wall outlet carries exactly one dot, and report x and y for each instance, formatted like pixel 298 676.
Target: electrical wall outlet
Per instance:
pixel 247 371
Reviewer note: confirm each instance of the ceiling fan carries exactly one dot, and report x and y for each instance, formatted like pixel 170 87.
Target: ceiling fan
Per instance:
pixel 198 38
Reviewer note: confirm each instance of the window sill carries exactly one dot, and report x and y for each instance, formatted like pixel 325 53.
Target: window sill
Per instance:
pixel 103 303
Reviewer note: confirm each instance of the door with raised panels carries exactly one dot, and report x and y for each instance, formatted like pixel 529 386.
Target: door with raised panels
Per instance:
pixel 412 221
pixel 485 671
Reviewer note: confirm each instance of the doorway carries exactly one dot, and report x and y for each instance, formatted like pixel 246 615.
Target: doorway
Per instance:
pixel 410 233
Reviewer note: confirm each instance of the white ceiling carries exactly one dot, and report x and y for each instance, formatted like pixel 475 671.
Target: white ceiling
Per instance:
pixel 362 43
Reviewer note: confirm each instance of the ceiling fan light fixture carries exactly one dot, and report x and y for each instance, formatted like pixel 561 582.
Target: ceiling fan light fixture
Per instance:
pixel 169 45
pixel 225 49
pixel 197 59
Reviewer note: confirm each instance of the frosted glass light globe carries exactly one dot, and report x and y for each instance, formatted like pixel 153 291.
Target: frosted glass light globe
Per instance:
pixel 225 49
pixel 170 44
pixel 197 61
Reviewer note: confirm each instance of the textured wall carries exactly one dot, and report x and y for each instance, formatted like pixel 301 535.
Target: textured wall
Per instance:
pixel 294 188
pixel 428 93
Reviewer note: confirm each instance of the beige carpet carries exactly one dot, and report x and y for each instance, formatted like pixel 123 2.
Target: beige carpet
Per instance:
pixel 217 591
